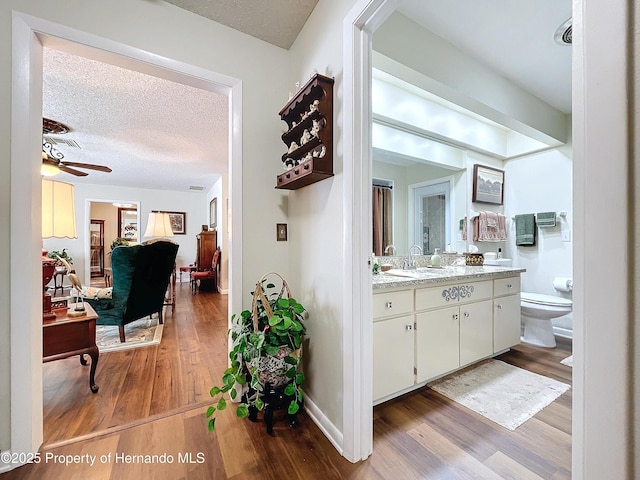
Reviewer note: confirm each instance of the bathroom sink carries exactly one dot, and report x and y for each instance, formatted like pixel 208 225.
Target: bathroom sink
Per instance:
pixel 396 272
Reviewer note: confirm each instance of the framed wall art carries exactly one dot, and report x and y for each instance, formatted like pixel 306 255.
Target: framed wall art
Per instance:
pixel 213 213
pixel 178 222
pixel 488 185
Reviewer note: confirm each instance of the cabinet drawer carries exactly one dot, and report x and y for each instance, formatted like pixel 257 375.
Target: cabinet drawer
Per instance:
pixel 434 297
pixel 506 286
pixel 387 304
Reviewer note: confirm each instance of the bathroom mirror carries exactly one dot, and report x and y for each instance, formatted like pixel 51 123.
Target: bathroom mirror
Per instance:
pixel 418 192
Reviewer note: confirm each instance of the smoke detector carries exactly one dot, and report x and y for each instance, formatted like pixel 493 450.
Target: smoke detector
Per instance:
pixel 564 33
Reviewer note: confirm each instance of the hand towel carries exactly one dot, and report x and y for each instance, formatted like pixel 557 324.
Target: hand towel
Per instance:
pixel 491 227
pixel 546 219
pixel 526 229
pixel 463 227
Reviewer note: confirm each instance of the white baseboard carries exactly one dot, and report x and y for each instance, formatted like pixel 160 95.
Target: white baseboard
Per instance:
pixel 320 419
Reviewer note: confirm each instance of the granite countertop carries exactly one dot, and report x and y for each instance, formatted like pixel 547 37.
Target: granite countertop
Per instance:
pixel 429 275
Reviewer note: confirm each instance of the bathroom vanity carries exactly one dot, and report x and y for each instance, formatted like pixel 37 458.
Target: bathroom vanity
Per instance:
pixel 430 322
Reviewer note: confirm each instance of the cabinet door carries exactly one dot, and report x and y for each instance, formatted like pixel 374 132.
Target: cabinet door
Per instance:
pixel 506 322
pixel 437 342
pixel 476 332
pixel 393 346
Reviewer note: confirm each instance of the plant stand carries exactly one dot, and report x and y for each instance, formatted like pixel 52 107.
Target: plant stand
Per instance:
pixel 274 399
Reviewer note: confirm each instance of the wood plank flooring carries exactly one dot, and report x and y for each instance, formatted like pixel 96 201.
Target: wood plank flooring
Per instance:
pixel 153 403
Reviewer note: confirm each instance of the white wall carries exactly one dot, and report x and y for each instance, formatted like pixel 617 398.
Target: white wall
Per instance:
pixel 316 221
pixel 542 183
pixel 167 32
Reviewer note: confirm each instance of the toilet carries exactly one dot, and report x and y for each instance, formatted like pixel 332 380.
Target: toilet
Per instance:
pixel 537 310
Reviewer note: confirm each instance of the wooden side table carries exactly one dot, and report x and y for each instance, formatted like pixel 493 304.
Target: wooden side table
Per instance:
pixel 67 336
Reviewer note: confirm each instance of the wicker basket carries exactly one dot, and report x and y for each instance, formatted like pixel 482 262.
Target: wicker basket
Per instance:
pixel 474 259
pixel 271 369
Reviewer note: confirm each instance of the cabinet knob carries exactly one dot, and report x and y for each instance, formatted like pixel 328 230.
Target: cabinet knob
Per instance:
pixel 509 285
pixel 499 307
pixel 466 314
pixel 409 327
pixel 389 305
pixel 455 316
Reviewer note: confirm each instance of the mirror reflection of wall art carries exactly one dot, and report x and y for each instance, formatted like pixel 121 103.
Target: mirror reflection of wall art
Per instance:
pixel 213 213
pixel 488 185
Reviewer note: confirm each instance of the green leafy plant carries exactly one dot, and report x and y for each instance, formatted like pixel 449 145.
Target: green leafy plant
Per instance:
pixel 57 254
pixel 279 333
pixel 119 241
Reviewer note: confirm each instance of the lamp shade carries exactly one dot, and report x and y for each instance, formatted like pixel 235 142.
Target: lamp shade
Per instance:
pixel 58 210
pixel 158 225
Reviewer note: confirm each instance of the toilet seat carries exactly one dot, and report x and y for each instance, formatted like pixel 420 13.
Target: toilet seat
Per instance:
pixel 542 299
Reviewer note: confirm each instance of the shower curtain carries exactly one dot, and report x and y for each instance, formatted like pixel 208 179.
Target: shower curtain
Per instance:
pixel 382 219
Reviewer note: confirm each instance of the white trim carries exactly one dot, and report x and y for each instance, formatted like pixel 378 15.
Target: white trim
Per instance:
pixel 330 431
pixel 364 18
pixel 26 132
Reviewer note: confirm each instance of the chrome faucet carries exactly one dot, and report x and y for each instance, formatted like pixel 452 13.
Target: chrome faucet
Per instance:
pixel 389 247
pixel 410 261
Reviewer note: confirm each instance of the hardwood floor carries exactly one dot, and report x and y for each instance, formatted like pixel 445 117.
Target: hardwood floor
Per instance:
pixel 153 403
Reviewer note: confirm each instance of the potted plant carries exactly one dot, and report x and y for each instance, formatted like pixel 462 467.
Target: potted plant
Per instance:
pixel 266 353
pixel 117 242
pixel 58 254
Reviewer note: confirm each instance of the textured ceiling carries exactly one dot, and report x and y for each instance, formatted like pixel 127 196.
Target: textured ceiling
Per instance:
pixel 151 132
pixel 275 21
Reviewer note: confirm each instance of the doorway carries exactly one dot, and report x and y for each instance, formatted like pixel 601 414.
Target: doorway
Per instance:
pixel 30 34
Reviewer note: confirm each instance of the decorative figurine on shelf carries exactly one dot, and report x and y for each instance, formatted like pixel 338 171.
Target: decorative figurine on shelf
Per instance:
pixel 293 147
pixel 288 163
pixel 314 106
pixel 306 136
pixel 323 151
pixel 307 157
pixel 315 128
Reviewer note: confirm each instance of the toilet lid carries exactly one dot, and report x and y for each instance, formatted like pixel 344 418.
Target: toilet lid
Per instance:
pixel 541 299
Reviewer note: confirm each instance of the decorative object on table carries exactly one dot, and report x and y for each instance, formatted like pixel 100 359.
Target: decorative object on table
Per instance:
pixel 309 118
pixel 488 185
pixel 119 242
pixel 525 229
pixel 265 356
pixel 58 221
pixel 474 259
pixel 76 286
pixel 55 254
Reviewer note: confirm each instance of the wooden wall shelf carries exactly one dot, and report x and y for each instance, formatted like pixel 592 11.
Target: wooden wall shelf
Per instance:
pixel 309 157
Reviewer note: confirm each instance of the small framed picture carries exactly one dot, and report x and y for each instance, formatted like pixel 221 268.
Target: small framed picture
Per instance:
pixel 281 232
pixel 488 185
pixel 213 213
pixel 178 222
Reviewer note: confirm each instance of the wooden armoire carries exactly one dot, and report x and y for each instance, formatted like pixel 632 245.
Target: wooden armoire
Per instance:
pixel 207 244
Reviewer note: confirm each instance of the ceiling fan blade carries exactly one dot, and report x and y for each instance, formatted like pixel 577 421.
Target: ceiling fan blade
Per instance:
pixel 77 173
pixel 100 168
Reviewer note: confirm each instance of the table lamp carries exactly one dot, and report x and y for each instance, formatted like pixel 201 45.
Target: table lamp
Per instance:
pixel 158 225
pixel 58 221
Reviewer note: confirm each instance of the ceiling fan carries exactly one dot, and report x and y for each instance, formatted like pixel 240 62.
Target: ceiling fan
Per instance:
pixel 52 159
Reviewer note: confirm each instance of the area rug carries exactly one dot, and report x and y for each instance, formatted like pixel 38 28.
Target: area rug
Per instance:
pixel 140 333
pixel 568 361
pixel 502 393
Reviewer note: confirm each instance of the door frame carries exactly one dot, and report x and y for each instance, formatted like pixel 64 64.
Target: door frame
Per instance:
pixel 28 35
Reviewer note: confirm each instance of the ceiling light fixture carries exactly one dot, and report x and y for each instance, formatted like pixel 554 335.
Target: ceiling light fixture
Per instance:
pixel 49 168
pixel 564 33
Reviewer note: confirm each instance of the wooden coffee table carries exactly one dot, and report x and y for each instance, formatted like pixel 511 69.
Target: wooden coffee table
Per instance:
pixel 68 336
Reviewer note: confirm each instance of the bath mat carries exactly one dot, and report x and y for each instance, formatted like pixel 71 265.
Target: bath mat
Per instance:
pixel 140 333
pixel 568 361
pixel 502 393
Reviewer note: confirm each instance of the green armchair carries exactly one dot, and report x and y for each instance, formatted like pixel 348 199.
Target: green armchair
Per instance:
pixel 141 275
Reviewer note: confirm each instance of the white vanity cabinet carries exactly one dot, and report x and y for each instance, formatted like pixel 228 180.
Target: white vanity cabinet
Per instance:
pixel 506 313
pixel 426 330
pixel 393 342
pixel 454 336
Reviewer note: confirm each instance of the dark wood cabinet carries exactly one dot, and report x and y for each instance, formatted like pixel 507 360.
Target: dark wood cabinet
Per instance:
pixel 207 244
pixel 309 138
